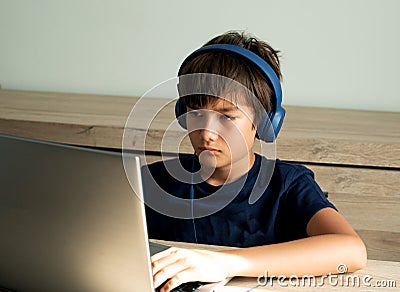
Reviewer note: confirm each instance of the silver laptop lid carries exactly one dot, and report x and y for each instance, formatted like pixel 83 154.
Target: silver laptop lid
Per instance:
pixel 69 220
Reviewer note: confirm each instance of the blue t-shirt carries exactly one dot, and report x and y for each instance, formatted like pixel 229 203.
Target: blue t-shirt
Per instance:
pixel 284 198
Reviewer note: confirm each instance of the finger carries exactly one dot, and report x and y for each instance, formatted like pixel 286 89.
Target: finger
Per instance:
pixel 170 271
pixel 167 260
pixel 184 276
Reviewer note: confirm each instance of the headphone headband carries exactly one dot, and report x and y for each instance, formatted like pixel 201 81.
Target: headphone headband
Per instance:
pixel 277 114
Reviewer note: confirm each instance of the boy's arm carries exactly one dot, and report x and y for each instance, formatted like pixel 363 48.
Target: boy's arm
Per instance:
pixel 332 242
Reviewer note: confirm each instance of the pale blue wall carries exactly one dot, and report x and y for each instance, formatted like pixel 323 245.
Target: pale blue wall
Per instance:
pixel 339 53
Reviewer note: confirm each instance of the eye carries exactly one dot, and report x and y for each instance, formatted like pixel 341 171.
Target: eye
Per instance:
pixel 194 114
pixel 227 118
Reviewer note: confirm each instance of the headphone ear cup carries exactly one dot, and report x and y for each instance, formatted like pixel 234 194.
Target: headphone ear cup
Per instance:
pixel 265 131
pixel 277 120
pixel 180 111
pixel 270 125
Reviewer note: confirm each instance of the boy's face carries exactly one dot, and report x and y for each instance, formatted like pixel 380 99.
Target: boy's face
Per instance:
pixel 222 133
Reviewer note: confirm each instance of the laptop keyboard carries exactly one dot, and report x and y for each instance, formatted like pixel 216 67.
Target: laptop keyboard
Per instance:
pixel 186 287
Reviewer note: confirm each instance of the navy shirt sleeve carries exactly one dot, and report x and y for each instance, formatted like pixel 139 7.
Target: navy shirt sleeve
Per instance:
pixel 301 200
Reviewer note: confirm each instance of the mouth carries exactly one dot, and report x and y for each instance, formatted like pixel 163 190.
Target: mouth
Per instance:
pixel 208 149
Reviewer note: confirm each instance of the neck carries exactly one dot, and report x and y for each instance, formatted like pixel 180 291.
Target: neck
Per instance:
pixel 230 173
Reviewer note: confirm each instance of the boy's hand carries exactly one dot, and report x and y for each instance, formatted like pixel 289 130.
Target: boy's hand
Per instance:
pixel 178 266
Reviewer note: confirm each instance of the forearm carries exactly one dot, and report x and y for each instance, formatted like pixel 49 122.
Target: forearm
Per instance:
pixel 316 255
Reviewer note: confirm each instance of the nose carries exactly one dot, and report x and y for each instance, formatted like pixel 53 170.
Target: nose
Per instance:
pixel 210 128
pixel 208 135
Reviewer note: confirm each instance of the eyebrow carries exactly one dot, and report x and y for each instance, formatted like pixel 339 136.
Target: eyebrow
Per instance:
pixel 227 109
pixel 222 109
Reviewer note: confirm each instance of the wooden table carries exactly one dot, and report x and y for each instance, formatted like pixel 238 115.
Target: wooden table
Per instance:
pixel 355 154
pixel 376 276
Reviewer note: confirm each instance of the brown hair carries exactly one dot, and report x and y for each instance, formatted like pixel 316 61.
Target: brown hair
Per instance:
pixel 233 67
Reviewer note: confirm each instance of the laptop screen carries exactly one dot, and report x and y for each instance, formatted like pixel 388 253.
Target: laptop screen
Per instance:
pixel 70 220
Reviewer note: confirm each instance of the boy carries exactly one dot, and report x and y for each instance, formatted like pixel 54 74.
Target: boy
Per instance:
pixel 289 229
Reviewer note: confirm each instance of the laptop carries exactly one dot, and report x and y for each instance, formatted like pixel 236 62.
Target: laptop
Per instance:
pixel 70 220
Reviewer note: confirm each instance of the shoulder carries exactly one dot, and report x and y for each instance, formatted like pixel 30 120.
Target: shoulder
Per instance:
pixel 288 173
pixel 300 188
pixel 292 169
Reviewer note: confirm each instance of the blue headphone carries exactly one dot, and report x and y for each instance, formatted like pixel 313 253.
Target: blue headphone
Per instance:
pixel 273 119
